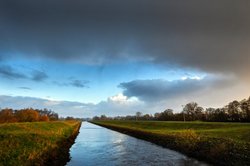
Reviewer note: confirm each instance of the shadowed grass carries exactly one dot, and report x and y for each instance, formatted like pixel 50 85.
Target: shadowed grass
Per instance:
pixel 34 143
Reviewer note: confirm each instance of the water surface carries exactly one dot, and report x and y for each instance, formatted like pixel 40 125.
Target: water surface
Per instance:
pixel 97 145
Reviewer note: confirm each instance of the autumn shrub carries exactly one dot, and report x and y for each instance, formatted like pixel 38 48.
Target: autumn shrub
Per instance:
pixel 44 118
pixel 27 115
pixel 7 116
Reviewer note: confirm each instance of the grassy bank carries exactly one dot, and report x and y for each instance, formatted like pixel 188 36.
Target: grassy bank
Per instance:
pixel 37 143
pixel 216 143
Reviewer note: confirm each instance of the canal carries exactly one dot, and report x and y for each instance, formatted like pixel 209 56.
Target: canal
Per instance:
pixel 97 145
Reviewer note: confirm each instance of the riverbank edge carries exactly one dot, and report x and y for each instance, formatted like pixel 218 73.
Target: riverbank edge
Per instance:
pixel 215 151
pixel 59 156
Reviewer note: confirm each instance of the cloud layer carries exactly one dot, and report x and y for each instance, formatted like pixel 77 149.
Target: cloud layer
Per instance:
pixel 209 35
pixel 68 108
pixel 157 90
pixel 9 72
pixel 39 76
pixel 63 108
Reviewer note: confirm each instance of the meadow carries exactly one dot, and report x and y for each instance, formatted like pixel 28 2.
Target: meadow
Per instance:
pixel 215 142
pixel 37 143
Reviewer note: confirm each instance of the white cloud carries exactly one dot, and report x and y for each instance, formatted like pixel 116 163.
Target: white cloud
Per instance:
pixel 192 77
pixel 120 98
pixel 51 103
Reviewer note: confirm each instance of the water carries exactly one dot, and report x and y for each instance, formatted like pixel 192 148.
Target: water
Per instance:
pixel 97 145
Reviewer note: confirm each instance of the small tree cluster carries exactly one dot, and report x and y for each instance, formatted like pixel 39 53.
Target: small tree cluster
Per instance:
pixel 8 115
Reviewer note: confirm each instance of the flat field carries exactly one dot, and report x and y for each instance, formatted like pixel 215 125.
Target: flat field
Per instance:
pixel 235 131
pixel 35 143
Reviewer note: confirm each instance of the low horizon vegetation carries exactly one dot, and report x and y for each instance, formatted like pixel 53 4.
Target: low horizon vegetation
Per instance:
pixel 9 115
pixel 235 111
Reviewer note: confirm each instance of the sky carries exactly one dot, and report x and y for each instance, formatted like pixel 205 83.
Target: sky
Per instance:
pixel 84 58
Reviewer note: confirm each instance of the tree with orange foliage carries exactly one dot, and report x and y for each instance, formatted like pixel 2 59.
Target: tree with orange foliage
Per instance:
pixel 7 115
pixel 27 115
pixel 44 118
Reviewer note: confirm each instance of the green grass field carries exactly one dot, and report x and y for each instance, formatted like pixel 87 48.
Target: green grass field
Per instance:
pixel 215 142
pixel 31 143
pixel 235 131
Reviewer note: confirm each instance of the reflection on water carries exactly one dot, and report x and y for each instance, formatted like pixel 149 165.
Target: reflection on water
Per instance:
pixel 96 145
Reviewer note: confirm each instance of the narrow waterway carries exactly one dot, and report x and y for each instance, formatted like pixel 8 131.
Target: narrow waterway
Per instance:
pixel 98 146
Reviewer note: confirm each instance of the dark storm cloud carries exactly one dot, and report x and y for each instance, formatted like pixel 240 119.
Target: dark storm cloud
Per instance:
pixel 209 35
pixel 162 90
pixel 8 72
pixel 39 76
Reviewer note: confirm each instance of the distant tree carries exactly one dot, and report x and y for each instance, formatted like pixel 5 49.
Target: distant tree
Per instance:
pixel 50 114
pixel 245 107
pixel 146 117
pixel 192 111
pixel 103 117
pixel 138 115
pixel 220 115
pixel 7 115
pixel 209 114
pixel 157 116
pixel 69 118
pixel 53 117
pixel 129 117
pixel 234 111
pixel 199 113
pixel 96 118
pixel 166 115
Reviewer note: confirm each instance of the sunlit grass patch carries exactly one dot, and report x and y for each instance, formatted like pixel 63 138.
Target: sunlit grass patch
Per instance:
pixel 26 143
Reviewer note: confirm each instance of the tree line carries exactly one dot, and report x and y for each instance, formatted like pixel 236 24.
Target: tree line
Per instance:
pixel 235 111
pixel 8 115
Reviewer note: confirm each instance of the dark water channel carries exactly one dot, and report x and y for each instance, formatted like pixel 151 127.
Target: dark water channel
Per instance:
pixel 98 146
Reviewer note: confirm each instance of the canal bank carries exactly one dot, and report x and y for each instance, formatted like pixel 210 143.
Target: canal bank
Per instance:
pixel 214 150
pixel 37 143
pixel 96 145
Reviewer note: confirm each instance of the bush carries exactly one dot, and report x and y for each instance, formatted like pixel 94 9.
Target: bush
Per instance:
pixel 44 118
pixel 27 115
